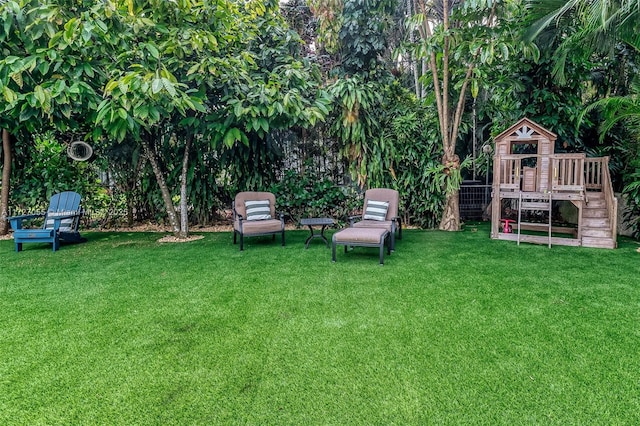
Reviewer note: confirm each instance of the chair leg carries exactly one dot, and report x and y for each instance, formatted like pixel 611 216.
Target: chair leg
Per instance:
pixel 241 242
pixel 18 247
pixel 235 234
pixel 282 237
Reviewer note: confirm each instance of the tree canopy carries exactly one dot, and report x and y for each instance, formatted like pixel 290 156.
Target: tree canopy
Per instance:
pixel 188 96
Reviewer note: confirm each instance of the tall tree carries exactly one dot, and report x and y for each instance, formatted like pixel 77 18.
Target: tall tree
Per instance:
pixel 189 74
pixel 49 71
pixel 457 38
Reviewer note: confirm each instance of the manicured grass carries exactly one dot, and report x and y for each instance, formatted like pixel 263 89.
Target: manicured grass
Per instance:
pixel 455 328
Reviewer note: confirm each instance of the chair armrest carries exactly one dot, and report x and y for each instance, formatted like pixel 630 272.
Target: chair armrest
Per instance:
pixel 239 218
pixel 399 220
pixel 354 219
pixel 25 216
pixel 236 215
pixel 16 221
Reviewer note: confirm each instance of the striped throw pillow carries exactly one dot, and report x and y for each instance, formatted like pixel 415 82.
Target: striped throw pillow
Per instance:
pixel 376 210
pixel 258 210
pixel 66 225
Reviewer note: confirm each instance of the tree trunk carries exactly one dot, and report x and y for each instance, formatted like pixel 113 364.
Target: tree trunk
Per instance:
pixel 451 214
pixel 412 57
pixel 6 176
pixel 164 189
pixel 184 205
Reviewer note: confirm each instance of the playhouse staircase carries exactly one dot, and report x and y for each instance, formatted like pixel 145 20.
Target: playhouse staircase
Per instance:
pixel 597 225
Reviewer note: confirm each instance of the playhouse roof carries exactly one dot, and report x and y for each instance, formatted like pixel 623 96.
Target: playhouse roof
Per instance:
pixel 531 126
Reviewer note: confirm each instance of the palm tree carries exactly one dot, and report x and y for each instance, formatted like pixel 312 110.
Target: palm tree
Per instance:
pixel 600 25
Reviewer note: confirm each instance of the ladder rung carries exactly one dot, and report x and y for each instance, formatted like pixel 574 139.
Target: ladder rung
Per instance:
pixel 535 205
pixel 535 224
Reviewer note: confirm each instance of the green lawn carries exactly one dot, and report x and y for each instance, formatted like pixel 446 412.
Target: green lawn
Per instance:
pixel 455 328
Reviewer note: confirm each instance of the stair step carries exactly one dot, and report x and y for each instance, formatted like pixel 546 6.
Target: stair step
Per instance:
pixel 587 212
pixel 595 242
pixel 596 232
pixel 596 203
pixel 596 222
pixel 595 194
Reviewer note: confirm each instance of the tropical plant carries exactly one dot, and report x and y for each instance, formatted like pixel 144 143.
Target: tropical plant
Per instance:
pixel 411 128
pixel 356 124
pixel 602 27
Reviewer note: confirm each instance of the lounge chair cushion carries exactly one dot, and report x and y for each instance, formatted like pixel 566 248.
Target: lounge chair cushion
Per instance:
pixel 378 224
pixel 66 225
pixel 258 210
pixel 261 227
pixel 376 210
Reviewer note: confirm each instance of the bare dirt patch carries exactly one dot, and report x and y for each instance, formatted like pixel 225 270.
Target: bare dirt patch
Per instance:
pixel 174 239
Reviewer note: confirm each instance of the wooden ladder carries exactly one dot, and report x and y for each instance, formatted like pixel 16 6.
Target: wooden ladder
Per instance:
pixel 531 204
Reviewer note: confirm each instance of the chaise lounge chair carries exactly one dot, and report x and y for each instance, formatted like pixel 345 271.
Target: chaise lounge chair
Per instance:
pixel 380 211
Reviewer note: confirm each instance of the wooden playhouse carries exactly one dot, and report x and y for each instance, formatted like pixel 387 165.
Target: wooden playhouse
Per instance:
pixel 532 184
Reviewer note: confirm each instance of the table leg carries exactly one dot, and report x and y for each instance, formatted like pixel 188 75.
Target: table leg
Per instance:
pixel 333 251
pixel 322 235
pixel 314 235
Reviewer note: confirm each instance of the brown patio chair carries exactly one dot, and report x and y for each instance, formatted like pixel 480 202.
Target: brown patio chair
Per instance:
pixel 254 213
pixel 380 211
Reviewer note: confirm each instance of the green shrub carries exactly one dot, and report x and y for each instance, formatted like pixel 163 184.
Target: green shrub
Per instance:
pixel 309 195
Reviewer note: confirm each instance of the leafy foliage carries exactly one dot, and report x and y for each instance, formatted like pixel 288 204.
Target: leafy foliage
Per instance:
pixel 363 37
pixel 356 124
pixel 632 193
pixel 48 75
pixel 411 128
pixel 310 195
pixel 49 170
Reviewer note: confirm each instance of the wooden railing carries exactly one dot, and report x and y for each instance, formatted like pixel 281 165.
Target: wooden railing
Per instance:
pixel 568 172
pixel 593 172
pixel 560 172
pixel 606 187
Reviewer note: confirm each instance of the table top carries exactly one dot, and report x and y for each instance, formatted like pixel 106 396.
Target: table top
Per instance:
pixel 310 221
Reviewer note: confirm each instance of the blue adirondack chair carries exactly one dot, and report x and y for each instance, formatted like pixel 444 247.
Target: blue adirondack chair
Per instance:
pixel 61 222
